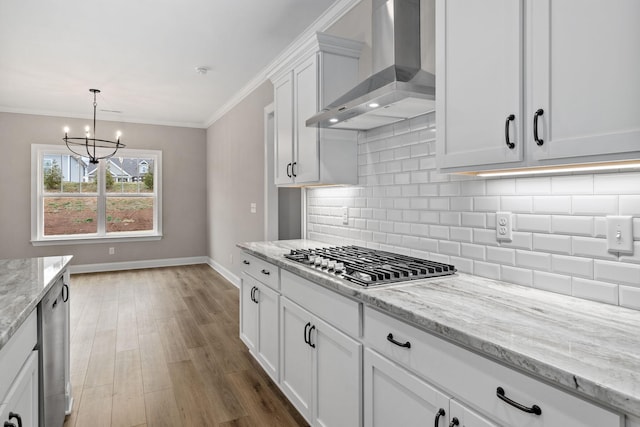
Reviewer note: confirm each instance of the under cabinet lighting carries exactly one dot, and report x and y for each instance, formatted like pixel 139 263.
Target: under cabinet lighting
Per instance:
pixel 374 105
pixel 562 169
pixel 334 120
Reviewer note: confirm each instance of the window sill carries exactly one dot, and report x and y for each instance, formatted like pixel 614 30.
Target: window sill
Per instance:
pixel 81 240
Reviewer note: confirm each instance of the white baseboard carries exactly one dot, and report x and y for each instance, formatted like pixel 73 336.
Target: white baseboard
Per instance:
pixel 227 274
pixel 133 265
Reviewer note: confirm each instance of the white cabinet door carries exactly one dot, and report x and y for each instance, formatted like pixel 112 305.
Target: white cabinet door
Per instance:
pixel 22 399
pixel 248 313
pixel 283 116
pixel 395 397
pixel 306 166
pixel 466 417
pixel 296 356
pixel 268 346
pixel 585 68
pixel 337 377
pixel 479 85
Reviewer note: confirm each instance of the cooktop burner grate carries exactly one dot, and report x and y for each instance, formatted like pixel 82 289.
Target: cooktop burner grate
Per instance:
pixel 369 267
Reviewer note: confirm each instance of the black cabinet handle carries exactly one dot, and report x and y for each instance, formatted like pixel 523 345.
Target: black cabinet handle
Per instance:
pixel 16 416
pixel 535 409
pixel 454 422
pixel 65 295
pixel 255 298
pixel 439 414
pixel 253 289
pixel 293 169
pixel 306 338
pixel 288 172
pixel 510 118
pixel 245 262
pixel 310 343
pixel 266 272
pixel 398 343
pixel 537 114
pixel 8 424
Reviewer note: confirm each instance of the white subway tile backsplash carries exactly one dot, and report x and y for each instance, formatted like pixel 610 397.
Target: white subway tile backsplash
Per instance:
pixel 618 183
pixel 501 255
pixel 552 282
pixel 403 204
pixel 533 185
pixel 535 223
pixel 485 269
pixel 617 272
pixel 573 184
pixel 629 297
pixel 519 276
pixel 552 204
pixel 552 243
pixel 517 204
pixel 594 290
pixel 572 266
pixel 533 260
pixel 574 225
pixel 630 205
pixel 595 205
pixel 590 247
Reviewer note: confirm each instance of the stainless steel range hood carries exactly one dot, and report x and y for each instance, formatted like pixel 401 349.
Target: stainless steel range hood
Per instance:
pixel 399 88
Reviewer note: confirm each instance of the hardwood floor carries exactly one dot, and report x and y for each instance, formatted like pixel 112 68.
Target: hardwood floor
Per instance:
pixel 160 347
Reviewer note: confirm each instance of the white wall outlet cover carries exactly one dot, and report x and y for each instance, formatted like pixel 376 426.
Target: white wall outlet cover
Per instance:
pixel 345 215
pixel 620 234
pixel 253 208
pixel 504 228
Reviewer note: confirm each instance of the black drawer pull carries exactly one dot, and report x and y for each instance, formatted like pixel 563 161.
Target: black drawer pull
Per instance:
pixel 8 424
pixel 398 343
pixel 65 298
pixel 266 272
pixel 245 262
pixel 310 343
pixel 439 414
pixel 535 409
pixel 510 118
pixel 306 337
pixel 454 422
pixel 16 416
pixel 537 114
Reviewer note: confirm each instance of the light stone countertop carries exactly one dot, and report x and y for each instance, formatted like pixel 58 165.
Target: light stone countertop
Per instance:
pixel 590 348
pixel 23 283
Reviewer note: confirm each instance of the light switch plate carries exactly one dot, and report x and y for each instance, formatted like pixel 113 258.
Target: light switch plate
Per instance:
pixel 345 215
pixel 504 229
pixel 620 234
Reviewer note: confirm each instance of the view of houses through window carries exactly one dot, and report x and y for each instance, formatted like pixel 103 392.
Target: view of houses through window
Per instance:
pixel 74 201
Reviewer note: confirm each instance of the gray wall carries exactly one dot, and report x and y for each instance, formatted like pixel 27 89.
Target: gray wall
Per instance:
pixel 235 178
pixel 184 189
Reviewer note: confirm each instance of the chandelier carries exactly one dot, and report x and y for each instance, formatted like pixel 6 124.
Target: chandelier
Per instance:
pixel 92 147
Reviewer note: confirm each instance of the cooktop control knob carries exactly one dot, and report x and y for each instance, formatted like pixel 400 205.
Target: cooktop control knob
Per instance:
pixel 318 261
pixel 339 267
pixel 331 265
pixel 324 263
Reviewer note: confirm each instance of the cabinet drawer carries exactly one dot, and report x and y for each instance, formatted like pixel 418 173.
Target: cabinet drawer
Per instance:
pixel 15 352
pixel 474 379
pixel 264 271
pixel 336 309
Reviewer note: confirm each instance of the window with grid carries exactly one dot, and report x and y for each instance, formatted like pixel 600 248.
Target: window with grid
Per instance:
pixel 76 200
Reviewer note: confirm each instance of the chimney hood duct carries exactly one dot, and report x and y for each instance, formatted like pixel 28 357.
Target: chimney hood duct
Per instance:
pixel 400 88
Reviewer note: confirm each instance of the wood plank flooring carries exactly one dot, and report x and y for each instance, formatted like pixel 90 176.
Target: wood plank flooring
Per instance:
pixel 161 347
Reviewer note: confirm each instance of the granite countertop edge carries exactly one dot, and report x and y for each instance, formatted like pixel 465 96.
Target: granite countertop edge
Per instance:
pixel 26 308
pixel 378 298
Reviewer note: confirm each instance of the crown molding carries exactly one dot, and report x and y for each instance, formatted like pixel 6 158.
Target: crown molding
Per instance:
pixel 326 20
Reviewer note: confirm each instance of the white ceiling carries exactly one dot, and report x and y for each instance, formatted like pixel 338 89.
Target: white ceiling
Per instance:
pixel 141 54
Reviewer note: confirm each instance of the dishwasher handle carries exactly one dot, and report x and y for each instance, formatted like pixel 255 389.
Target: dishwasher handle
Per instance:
pixel 65 295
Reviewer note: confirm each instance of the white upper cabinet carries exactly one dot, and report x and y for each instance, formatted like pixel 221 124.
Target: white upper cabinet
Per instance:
pixel 566 69
pixel 313 76
pixel 479 82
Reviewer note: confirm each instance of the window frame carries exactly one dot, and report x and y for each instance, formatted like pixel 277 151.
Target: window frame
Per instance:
pixel 37 200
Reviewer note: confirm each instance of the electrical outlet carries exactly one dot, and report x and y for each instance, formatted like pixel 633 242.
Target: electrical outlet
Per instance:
pixel 504 229
pixel 620 234
pixel 253 208
pixel 112 251
pixel 345 215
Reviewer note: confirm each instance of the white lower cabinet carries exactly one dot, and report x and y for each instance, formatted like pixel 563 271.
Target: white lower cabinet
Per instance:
pixel 259 311
pixel 320 368
pixel 395 397
pixel 20 406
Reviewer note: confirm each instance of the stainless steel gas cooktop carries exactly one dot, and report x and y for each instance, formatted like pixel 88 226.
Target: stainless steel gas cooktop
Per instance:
pixel 369 267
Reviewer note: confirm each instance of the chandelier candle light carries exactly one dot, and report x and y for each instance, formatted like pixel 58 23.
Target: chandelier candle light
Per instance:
pixel 94 148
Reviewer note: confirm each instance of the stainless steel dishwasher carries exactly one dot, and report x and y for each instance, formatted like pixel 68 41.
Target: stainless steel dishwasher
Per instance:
pixel 51 339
